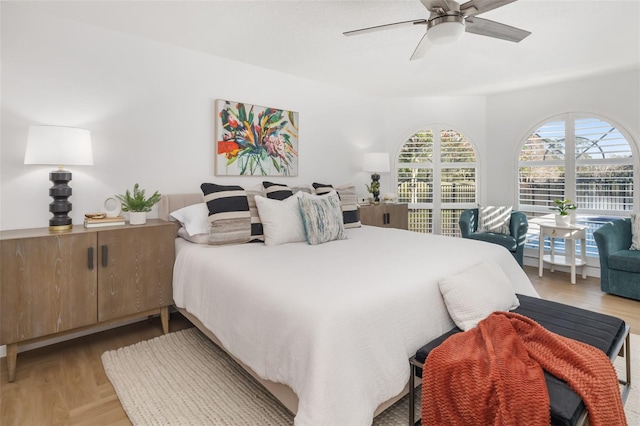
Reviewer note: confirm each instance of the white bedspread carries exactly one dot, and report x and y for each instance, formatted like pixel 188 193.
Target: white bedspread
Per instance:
pixel 335 322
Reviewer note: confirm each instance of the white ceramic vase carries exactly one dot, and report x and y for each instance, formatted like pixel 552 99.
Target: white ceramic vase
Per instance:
pixel 563 220
pixel 137 218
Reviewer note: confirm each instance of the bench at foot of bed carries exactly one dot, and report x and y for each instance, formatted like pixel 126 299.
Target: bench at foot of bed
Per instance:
pixel 607 333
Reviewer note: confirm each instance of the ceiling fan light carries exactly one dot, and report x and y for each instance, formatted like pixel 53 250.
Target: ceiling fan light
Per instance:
pixel 445 31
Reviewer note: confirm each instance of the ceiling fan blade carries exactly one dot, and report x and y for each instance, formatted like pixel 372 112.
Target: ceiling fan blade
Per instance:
pixel 386 27
pixel 494 29
pixel 421 49
pixel 476 7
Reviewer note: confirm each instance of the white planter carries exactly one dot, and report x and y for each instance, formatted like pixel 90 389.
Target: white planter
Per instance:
pixel 137 218
pixel 563 220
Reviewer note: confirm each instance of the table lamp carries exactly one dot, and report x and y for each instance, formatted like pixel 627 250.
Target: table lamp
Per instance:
pixel 61 146
pixel 375 163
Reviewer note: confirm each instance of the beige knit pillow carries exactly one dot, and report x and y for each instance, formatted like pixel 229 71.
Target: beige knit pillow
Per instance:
pixel 635 231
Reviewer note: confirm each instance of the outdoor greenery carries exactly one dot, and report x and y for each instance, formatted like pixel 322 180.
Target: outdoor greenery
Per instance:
pixel 138 202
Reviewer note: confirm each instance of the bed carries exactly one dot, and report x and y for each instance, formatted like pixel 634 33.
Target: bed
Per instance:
pixel 328 329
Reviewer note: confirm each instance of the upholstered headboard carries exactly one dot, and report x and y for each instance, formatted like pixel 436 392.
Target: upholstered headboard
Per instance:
pixel 173 202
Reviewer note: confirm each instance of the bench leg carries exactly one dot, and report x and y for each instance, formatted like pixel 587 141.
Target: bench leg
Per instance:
pixel 627 361
pixel 412 391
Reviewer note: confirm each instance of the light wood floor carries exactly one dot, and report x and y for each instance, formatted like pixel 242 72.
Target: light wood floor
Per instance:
pixel 585 294
pixel 65 383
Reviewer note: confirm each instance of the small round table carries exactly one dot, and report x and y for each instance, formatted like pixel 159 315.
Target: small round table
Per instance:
pixel 569 233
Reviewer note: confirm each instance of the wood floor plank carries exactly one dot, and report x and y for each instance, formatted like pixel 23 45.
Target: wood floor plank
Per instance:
pixel 66 384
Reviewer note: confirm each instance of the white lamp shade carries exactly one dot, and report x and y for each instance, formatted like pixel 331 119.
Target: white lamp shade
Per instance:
pixel 376 162
pixel 58 145
pixel 446 32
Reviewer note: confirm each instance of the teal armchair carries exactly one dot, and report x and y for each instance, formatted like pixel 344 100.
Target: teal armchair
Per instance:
pixel 514 242
pixel 619 266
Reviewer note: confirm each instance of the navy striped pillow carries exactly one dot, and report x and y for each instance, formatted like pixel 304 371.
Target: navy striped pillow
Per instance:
pixel 322 188
pixel 348 202
pixel 229 218
pixel 257 231
pixel 276 191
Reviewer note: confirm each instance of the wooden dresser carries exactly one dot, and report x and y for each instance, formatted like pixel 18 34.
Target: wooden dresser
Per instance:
pixel 385 215
pixel 53 283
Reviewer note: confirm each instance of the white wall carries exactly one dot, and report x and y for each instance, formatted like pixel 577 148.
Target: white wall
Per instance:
pixel 511 115
pixel 150 109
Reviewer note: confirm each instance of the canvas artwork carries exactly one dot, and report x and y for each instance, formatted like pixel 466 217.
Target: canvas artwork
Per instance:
pixel 254 140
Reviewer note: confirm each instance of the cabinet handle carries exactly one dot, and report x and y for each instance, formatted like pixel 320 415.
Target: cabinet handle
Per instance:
pixel 105 256
pixel 90 258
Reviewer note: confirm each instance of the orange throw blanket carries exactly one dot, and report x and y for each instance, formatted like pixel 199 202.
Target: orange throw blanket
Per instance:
pixel 493 375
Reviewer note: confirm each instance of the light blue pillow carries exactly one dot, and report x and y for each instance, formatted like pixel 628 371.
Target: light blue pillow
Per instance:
pixel 322 217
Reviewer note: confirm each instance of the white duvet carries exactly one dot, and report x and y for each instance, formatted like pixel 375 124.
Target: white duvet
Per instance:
pixel 335 322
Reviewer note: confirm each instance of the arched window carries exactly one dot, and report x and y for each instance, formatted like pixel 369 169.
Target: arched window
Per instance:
pixel 583 158
pixel 436 175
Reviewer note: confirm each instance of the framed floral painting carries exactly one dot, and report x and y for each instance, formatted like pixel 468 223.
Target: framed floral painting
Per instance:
pixel 253 140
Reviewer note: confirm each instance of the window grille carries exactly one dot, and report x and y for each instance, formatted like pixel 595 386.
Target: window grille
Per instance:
pixel 598 176
pixel 437 176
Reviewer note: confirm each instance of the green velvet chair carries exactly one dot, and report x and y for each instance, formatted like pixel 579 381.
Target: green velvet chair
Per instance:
pixel 619 266
pixel 514 242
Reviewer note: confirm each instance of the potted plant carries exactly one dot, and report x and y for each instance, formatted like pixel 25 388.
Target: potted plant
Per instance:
pixel 374 189
pixel 137 204
pixel 563 207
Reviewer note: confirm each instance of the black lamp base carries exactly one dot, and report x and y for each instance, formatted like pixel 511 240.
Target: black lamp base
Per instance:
pixel 60 206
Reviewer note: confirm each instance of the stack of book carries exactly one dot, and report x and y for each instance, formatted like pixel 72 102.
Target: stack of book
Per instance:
pixel 97 222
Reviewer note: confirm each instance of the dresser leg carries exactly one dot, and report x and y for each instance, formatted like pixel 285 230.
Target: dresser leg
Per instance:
pixel 12 357
pixel 164 318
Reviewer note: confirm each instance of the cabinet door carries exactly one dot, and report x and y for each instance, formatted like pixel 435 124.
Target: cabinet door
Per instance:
pixel 48 285
pixel 371 215
pixel 398 216
pixel 385 215
pixel 136 270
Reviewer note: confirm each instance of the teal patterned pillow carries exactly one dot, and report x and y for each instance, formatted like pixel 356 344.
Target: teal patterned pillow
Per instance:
pixel 495 219
pixel 322 217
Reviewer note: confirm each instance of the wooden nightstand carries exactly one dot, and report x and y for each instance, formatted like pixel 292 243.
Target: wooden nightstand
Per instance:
pixel 385 215
pixel 52 284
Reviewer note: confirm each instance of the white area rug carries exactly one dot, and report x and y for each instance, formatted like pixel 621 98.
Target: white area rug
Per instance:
pixel 183 378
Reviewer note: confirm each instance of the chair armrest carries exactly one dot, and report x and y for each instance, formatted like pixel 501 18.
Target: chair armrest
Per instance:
pixel 468 222
pixel 519 225
pixel 612 237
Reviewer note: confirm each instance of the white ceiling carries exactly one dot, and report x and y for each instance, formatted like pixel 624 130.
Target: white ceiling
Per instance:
pixel 570 39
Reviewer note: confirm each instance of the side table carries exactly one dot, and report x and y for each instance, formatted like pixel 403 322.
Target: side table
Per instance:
pixel 570 233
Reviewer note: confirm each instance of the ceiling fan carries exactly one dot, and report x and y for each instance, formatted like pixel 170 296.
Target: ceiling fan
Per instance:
pixel 448 20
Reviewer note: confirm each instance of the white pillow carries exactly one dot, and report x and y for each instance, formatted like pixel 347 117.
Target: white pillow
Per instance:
pixel 635 231
pixel 494 219
pixel 281 220
pixel 195 238
pixel 477 292
pixel 194 218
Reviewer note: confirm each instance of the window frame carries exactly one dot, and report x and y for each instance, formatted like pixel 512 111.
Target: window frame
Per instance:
pixel 570 164
pixel 436 165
